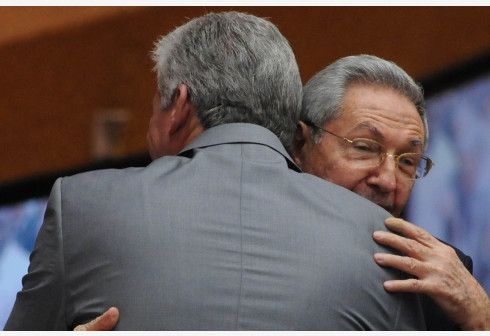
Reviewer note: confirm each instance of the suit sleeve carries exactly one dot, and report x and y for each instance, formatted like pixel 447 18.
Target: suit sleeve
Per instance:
pixel 40 303
pixel 465 259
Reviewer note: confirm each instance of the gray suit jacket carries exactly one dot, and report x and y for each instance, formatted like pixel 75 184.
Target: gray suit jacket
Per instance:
pixel 228 235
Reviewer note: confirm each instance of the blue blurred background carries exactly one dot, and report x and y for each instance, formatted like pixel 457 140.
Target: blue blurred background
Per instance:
pixel 453 201
pixel 19 225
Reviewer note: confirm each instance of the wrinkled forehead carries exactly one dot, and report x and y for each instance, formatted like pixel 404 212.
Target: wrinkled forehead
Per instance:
pixel 406 137
pixel 381 113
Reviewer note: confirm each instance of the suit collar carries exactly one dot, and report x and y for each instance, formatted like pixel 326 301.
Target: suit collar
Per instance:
pixel 240 133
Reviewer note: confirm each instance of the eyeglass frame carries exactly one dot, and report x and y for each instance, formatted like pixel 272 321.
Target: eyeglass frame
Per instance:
pixel 382 155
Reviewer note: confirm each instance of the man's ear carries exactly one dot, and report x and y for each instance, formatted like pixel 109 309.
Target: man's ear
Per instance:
pixel 181 108
pixel 184 124
pixel 302 138
pixel 172 128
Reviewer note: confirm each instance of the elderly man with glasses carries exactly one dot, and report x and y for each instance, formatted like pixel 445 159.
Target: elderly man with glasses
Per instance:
pixel 364 127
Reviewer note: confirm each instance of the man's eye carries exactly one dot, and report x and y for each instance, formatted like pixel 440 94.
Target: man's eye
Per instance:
pixel 364 146
pixel 408 161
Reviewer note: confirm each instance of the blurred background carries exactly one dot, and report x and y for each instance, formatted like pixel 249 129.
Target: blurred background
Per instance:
pixel 76 86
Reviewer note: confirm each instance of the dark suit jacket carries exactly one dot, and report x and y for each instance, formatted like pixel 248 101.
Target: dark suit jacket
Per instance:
pixel 229 235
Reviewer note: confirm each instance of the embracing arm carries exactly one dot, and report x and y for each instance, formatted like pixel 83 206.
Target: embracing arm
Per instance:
pixel 438 272
pixel 40 303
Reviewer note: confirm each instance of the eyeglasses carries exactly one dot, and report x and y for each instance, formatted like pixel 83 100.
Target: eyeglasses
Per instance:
pixel 369 154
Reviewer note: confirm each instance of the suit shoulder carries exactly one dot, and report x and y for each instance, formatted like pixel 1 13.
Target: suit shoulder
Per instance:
pixel 345 199
pixel 102 176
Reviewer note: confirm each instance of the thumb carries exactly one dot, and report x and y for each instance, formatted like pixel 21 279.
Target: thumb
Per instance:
pixel 106 321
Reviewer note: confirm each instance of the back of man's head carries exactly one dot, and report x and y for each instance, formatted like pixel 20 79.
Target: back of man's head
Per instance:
pixel 324 92
pixel 237 67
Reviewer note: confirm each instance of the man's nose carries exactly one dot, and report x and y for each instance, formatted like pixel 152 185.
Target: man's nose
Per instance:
pixel 384 176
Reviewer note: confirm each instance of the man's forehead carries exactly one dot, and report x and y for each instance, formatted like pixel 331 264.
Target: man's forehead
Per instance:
pixel 377 133
pixel 371 105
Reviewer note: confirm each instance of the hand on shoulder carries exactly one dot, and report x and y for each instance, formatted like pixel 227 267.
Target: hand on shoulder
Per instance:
pixel 438 272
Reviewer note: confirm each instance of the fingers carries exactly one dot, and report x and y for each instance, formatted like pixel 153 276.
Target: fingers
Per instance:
pixel 407 285
pixel 404 245
pixel 438 270
pixel 405 264
pixel 410 230
pixel 106 321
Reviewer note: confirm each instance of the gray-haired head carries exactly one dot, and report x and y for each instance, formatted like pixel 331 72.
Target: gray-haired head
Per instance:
pixel 238 68
pixel 323 95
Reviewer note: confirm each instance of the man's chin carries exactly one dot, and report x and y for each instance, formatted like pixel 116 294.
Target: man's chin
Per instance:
pixel 388 208
pixel 382 203
pixel 394 213
pixel 391 210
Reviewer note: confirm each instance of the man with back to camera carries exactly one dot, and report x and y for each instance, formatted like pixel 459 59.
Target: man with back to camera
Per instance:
pixel 376 103
pixel 227 235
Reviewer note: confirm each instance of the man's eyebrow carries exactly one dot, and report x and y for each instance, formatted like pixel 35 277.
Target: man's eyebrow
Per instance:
pixel 416 143
pixel 379 136
pixel 371 128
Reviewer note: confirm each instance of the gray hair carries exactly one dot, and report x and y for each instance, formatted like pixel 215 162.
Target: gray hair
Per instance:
pixel 238 68
pixel 324 93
